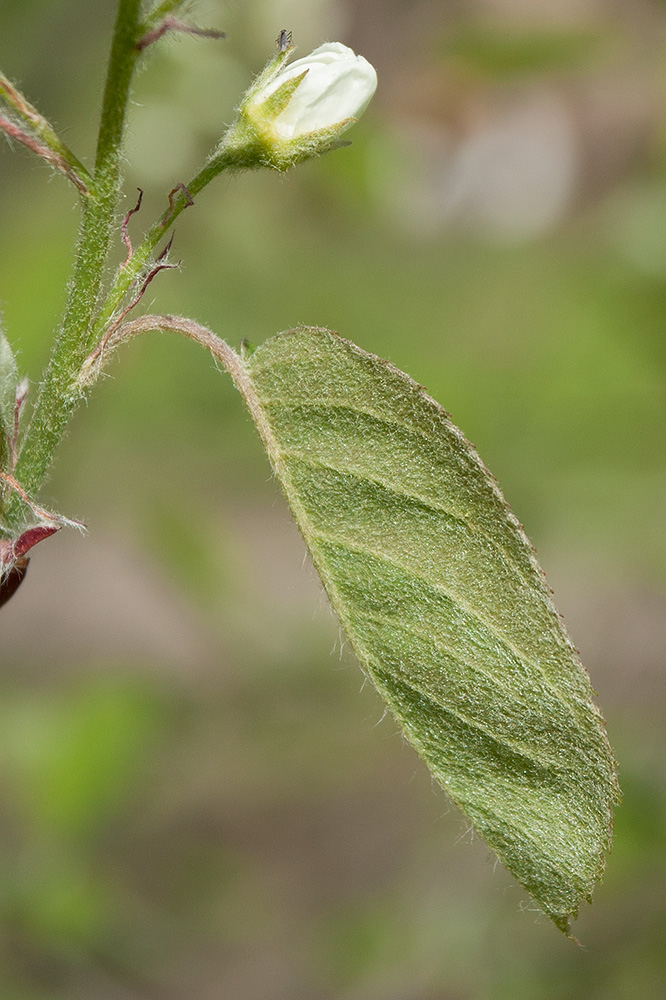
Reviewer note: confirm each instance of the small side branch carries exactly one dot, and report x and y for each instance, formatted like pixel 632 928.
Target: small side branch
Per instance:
pixel 173 24
pixel 188 201
pixel 132 272
pixel 161 264
pixel 52 156
pixel 145 324
pixel 230 361
pixel 123 229
pixel 28 126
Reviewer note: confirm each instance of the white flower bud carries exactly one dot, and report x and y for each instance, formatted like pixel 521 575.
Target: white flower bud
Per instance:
pixel 294 112
pixel 336 86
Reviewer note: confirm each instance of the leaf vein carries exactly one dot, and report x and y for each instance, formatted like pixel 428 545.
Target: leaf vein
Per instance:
pixel 453 596
pixel 439 706
pixel 435 508
pixel 478 668
pixel 344 404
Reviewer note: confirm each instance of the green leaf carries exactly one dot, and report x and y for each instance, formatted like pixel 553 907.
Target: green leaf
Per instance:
pixel 444 603
pixel 8 381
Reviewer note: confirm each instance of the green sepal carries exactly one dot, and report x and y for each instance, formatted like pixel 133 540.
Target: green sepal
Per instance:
pixel 276 102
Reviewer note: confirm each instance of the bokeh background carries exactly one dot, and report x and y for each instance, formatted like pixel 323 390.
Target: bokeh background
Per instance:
pixel 198 797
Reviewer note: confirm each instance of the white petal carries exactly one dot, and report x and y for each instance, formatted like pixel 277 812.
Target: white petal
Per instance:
pixel 338 85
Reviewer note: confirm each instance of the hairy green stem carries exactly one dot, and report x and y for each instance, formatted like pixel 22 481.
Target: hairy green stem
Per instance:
pixel 229 156
pixel 58 396
pixel 88 320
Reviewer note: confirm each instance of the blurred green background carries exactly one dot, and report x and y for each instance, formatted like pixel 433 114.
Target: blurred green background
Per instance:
pixel 197 799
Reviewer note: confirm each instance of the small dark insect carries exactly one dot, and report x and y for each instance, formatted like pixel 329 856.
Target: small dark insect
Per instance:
pixel 283 40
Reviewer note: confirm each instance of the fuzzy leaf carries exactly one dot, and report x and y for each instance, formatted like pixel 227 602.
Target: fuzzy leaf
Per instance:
pixel 8 380
pixel 445 605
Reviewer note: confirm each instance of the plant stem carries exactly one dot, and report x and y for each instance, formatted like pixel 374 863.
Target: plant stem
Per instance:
pixel 228 157
pixel 87 320
pixel 58 395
